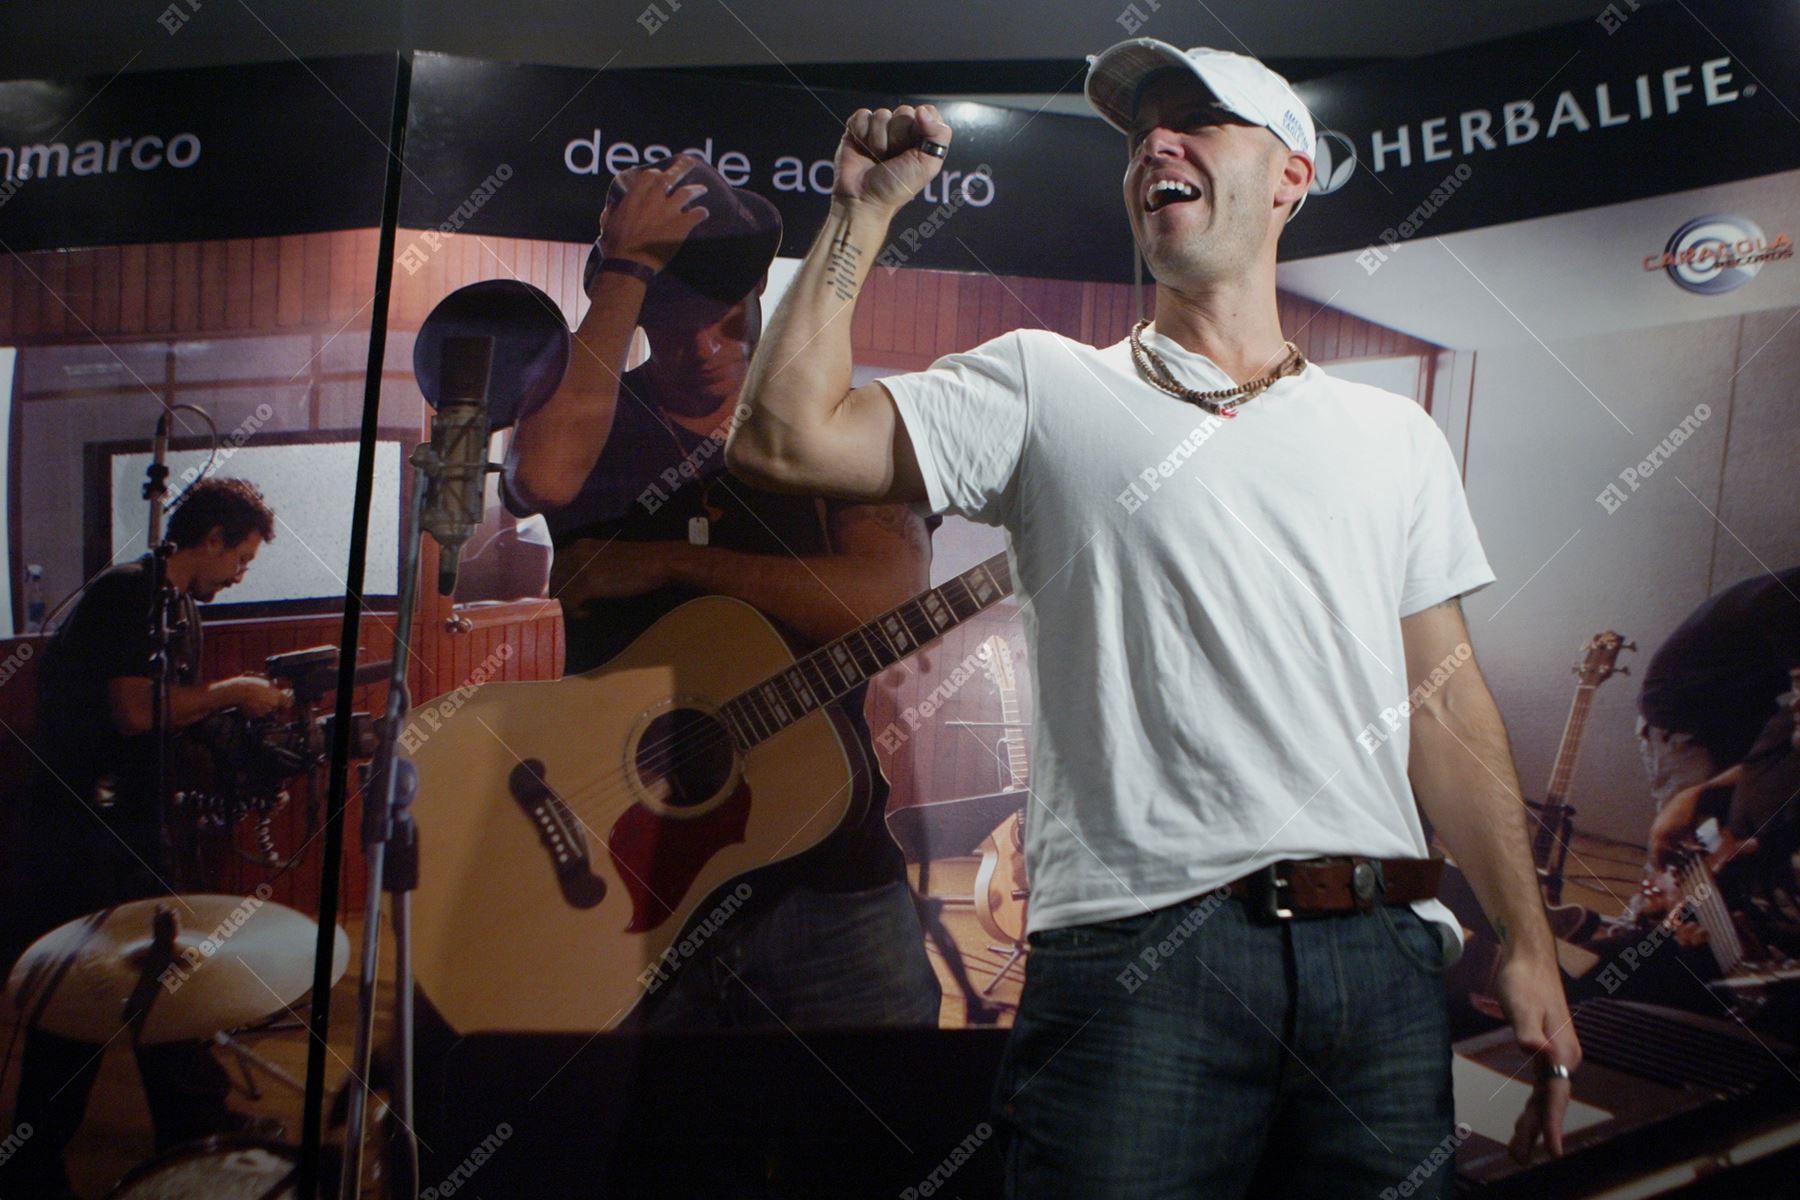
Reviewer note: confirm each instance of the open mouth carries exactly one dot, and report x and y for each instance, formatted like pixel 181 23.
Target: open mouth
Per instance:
pixel 1165 192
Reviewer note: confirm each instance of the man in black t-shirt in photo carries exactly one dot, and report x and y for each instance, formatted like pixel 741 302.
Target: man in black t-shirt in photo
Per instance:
pixel 94 818
pixel 1711 686
pixel 1709 693
pixel 628 468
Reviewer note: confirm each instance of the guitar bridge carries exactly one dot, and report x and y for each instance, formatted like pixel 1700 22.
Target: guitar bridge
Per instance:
pixel 559 833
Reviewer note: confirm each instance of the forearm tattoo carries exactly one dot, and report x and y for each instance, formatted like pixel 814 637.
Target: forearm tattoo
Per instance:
pixel 840 266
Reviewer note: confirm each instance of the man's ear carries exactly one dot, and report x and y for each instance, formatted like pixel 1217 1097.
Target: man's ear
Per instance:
pixel 1296 177
pixel 215 540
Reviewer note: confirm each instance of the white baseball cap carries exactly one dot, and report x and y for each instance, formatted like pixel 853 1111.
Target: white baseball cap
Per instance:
pixel 1241 85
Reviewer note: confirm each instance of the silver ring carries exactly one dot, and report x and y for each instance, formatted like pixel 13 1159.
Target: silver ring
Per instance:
pixel 935 149
pixel 1557 1071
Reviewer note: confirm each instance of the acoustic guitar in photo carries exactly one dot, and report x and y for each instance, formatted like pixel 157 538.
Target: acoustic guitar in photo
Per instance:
pixel 575 827
pixel 1001 889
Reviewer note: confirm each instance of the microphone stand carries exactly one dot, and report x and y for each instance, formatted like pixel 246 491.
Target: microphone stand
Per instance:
pixel 391 848
pixel 446 469
pixel 162 631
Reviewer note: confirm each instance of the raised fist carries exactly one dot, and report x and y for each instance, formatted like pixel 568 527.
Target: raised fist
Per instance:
pixel 879 161
pixel 653 218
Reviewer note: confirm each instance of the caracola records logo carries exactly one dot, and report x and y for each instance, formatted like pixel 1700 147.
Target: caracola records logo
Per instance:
pixel 1334 161
pixel 1718 253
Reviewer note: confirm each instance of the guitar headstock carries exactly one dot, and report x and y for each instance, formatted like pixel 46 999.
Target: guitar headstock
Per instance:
pixel 998 661
pixel 1599 656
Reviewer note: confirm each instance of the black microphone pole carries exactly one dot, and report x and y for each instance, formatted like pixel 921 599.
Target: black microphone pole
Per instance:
pixel 449 474
pixel 156 488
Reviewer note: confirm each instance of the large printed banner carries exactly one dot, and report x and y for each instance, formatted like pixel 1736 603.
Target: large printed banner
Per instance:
pixel 1637 102
pixel 676 775
pixel 1031 194
pixel 181 155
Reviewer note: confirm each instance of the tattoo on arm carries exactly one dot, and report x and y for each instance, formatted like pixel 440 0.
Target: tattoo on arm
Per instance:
pixel 840 266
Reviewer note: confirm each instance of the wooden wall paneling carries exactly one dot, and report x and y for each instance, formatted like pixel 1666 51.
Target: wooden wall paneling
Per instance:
pixel 907 296
pixel 186 305
pixel 571 299
pixel 968 312
pixel 265 283
pixel 214 256
pixel 78 292
pixel 1025 294
pixel 159 287
pixel 539 275
pixel 988 299
pixel 342 299
pixel 1063 301
pixel 1011 306
pixel 1045 296
pixel 1096 309
pixel 26 299
pixel 9 276
pixel 403 298
pixel 887 314
pixel 54 270
pixel 433 282
pixel 862 325
pixel 949 304
pixel 240 256
pixel 367 267
pixel 315 278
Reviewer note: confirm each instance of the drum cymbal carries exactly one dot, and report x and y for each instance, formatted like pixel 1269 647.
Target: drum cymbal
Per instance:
pixel 235 960
pixel 227 1167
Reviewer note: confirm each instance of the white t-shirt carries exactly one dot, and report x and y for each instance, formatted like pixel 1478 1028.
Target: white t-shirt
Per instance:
pixel 1212 607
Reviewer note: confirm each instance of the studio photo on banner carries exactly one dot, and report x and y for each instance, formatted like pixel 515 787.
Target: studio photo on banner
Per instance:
pixel 186 327
pixel 1610 349
pixel 1197 604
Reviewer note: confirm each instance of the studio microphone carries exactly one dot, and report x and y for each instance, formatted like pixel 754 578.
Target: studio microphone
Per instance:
pixel 156 485
pixel 460 428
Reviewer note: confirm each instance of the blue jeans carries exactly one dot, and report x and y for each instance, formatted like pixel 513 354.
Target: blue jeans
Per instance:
pixel 808 960
pixel 1204 1051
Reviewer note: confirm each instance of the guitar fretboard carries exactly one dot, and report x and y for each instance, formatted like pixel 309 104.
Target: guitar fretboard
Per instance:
pixel 1543 845
pixel 1018 766
pixel 840 666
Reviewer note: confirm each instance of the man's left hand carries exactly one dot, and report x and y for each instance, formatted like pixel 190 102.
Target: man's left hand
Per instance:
pixel 594 569
pixel 1531 995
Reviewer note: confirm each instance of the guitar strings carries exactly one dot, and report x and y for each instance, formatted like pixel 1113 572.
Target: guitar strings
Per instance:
pixel 617 781
pixel 1726 933
pixel 1710 911
pixel 614 787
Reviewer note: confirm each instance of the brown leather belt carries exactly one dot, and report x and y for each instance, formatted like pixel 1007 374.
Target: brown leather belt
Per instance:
pixel 1311 886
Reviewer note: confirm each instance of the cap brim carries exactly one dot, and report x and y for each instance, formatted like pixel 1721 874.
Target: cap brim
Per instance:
pixel 1115 75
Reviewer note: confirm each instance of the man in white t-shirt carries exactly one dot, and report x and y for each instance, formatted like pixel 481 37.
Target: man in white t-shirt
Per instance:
pixel 1241 576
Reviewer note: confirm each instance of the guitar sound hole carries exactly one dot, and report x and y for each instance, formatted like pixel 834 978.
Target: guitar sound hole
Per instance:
pixel 689 753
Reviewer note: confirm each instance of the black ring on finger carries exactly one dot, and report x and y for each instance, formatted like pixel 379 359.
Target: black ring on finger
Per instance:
pixel 935 149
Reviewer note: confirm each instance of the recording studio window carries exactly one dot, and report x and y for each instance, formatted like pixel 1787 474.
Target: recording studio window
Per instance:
pixel 287 411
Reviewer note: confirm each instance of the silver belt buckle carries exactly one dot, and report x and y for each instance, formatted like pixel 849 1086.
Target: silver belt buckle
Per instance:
pixel 1265 886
